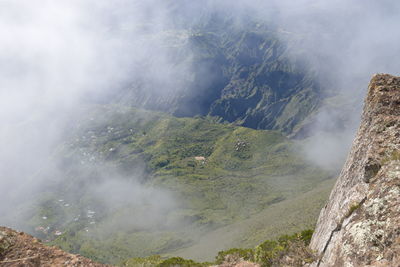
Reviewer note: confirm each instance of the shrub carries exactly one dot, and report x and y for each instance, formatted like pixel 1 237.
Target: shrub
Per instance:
pixel 288 250
pixel 5 242
pixel 245 254
pixel 297 253
pixel 150 261
pixel 306 236
pixel 293 248
pixel 161 163
pixel 179 262
pixel 267 252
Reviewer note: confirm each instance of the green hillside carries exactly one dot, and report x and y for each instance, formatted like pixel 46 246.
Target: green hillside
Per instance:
pixel 252 74
pixel 232 186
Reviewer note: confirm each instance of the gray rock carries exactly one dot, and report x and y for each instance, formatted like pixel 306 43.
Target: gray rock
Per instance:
pixel 360 225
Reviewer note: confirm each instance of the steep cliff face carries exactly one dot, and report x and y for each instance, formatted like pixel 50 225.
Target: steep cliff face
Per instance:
pixel 360 225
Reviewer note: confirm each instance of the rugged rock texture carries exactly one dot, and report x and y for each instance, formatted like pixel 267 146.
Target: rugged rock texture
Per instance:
pixel 252 75
pixel 20 249
pixel 360 225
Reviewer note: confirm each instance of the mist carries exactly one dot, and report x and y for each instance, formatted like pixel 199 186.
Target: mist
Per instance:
pixel 345 42
pixel 56 57
pixel 348 42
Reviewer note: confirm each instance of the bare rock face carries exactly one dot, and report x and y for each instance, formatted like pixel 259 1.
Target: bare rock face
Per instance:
pixel 360 225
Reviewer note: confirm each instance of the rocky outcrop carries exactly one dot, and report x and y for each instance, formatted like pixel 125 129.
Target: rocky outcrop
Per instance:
pixel 360 225
pixel 20 249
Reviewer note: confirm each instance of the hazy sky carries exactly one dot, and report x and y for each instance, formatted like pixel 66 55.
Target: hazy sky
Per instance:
pixel 53 54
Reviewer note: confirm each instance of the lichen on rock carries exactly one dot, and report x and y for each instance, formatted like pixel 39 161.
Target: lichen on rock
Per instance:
pixel 368 233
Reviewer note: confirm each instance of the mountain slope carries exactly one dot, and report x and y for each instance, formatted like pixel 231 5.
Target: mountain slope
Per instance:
pixel 298 214
pixel 360 224
pixel 218 174
pixel 251 74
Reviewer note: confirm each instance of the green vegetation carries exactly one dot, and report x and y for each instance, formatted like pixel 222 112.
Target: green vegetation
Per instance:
pixel 254 76
pixel 395 155
pixel 230 183
pixel 5 242
pixel 150 261
pixel 157 261
pixel 269 253
pixel 245 254
pixel 177 261
pixel 352 208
